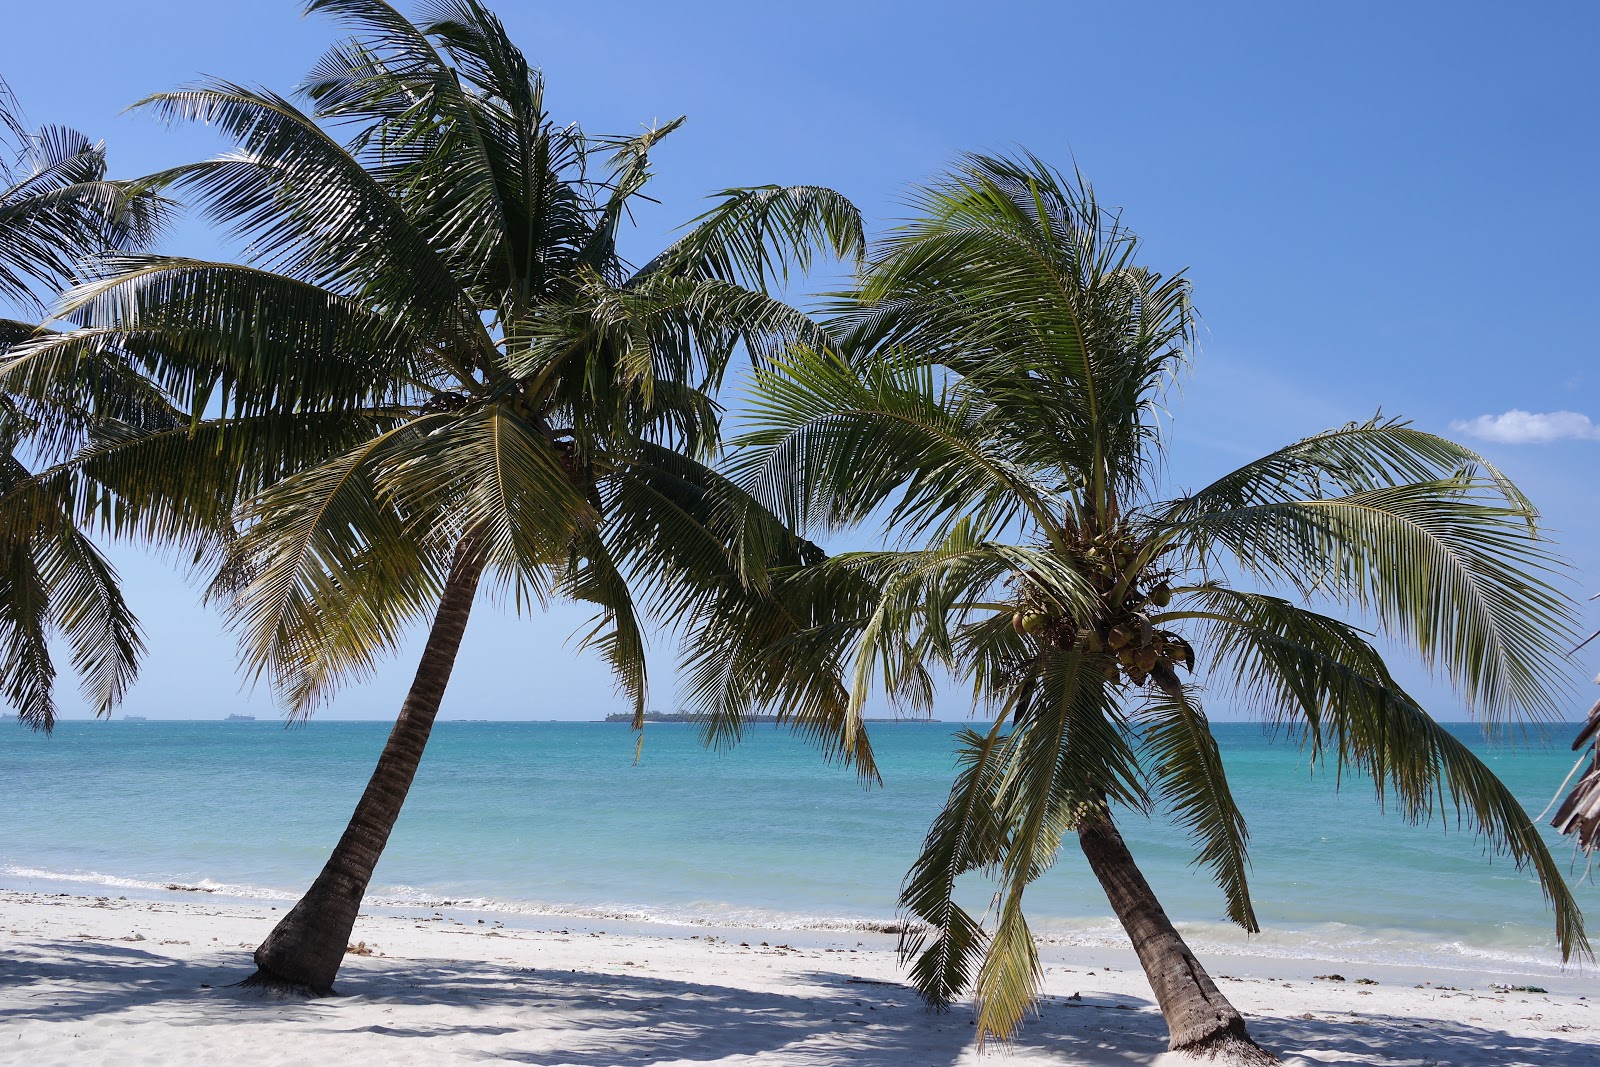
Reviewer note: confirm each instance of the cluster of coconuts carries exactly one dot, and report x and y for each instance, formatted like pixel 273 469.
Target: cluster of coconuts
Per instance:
pixel 1139 651
pixel 1135 649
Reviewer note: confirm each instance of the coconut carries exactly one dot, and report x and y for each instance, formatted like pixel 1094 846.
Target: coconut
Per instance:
pixel 1145 659
pixel 1034 621
pixel 1119 636
pixel 1161 595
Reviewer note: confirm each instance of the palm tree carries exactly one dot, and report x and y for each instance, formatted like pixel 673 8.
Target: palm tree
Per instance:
pixel 993 399
pixel 57 209
pixel 1579 814
pixel 437 368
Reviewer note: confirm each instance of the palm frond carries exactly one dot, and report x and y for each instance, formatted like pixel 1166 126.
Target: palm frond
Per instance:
pixel 1321 673
pixel 243 339
pixel 313 212
pixel 946 942
pixel 91 615
pixel 1187 762
pixel 830 442
pixel 1440 564
pixel 27 673
pixel 756 235
pixel 491 471
pixel 312 544
pixel 616 632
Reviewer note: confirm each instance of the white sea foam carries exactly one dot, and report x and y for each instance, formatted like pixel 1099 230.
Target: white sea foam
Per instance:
pixel 15 873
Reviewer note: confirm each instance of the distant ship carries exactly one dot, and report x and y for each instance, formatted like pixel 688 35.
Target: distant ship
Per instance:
pixel 240 718
pixel 135 718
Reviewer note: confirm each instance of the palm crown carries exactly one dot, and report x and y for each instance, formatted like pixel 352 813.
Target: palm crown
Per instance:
pixel 992 396
pixel 435 335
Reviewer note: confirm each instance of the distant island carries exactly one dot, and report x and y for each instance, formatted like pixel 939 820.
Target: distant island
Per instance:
pixel 693 716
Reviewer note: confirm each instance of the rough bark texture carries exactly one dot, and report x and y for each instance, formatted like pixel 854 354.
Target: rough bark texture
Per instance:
pixel 1199 1018
pixel 305 949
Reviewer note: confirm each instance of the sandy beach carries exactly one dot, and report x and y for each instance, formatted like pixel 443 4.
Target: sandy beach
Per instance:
pixel 90 980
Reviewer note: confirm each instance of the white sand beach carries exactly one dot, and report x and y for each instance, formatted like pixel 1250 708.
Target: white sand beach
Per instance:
pixel 103 980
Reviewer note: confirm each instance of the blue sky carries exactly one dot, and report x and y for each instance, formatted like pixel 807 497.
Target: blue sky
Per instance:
pixel 1381 206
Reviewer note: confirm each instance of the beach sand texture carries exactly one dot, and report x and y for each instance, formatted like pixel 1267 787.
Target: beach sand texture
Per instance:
pixel 135 982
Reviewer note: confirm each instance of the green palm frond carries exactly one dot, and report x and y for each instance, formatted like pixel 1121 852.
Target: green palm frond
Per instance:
pixel 1013 273
pixel 946 942
pixel 58 210
pixel 70 407
pixel 1456 575
pixel 495 473
pixel 314 542
pixel 27 675
pixel 616 632
pixel 758 632
pixel 55 582
pixel 1355 458
pixel 245 339
pixel 1187 762
pixel 313 213
pixel 1010 977
pixel 641 340
pixel 931 589
pixel 59 214
pixel 1322 674
pixel 176 485
pixel 782 647
pixel 95 621
pixel 1067 750
pixel 45 223
pixel 756 235
pixel 824 430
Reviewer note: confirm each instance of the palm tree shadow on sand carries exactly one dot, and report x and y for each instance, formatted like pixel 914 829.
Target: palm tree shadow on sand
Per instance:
pixel 492 1012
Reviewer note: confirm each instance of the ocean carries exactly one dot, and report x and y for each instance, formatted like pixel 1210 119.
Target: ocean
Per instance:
pixel 557 819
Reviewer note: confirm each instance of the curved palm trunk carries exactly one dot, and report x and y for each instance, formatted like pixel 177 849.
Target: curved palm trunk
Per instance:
pixel 305 949
pixel 1199 1017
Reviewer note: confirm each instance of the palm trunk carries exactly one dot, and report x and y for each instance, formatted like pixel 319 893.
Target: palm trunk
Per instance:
pixel 305 949
pixel 1199 1018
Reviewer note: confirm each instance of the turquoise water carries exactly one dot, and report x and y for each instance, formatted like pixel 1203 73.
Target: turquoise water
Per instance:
pixel 543 818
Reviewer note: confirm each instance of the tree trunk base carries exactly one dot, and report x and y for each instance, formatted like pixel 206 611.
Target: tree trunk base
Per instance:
pixel 1226 1048
pixel 281 987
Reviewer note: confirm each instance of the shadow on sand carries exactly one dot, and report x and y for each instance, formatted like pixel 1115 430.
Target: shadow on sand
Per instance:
pixel 494 1013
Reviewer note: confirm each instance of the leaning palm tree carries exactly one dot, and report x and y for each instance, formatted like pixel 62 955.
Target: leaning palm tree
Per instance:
pixel 1579 814
pixel 57 209
pixel 436 368
pixel 994 399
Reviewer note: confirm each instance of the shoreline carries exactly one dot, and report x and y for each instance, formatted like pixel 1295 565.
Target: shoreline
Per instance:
pixel 444 985
pixel 1278 950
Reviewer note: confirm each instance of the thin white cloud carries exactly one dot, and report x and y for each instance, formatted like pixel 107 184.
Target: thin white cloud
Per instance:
pixel 1517 427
